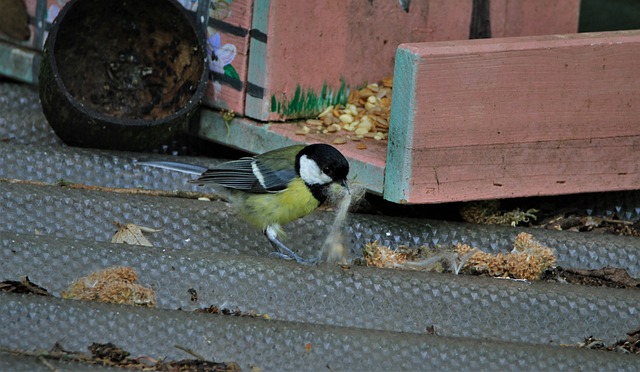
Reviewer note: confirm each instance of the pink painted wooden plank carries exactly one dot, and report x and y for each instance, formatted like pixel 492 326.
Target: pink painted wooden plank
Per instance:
pixel 515 169
pixel 529 18
pixel 515 117
pixel 231 21
pixel 443 20
pixel 527 89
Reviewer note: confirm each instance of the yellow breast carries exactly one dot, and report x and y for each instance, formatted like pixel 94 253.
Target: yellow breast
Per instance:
pixel 262 210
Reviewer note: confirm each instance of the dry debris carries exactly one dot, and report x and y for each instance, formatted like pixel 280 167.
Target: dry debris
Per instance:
pixel 113 285
pixel 528 259
pixel 24 286
pixel 487 212
pixel 132 234
pixel 420 259
pixel 111 355
pixel 630 345
pixel 216 310
pixel 366 115
pixel 578 223
pixel 605 277
pixel 118 190
pixel 377 255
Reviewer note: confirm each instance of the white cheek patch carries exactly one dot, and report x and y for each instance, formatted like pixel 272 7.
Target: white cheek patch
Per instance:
pixel 311 174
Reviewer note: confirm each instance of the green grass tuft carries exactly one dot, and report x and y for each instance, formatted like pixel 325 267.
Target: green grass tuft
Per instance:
pixel 308 103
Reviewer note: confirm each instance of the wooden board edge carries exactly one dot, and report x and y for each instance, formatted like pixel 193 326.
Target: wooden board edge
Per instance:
pixel 398 173
pixel 256 105
pixel 19 63
pixel 520 43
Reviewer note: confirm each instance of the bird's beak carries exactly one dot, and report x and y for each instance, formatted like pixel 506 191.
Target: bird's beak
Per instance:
pixel 344 184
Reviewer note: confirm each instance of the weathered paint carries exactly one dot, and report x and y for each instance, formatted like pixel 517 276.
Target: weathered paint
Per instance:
pixel 533 169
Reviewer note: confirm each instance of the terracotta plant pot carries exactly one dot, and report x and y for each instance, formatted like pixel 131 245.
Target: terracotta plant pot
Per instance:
pixel 120 74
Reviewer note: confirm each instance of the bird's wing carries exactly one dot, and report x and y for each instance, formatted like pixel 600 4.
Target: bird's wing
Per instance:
pixel 247 174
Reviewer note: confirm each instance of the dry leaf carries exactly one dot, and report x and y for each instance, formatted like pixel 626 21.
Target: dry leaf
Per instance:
pixel 132 234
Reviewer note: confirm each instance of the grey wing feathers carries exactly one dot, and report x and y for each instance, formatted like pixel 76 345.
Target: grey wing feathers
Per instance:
pixel 243 175
pixel 236 174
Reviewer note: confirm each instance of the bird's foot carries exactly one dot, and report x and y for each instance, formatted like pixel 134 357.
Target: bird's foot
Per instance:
pixel 293 256
pixel 282 251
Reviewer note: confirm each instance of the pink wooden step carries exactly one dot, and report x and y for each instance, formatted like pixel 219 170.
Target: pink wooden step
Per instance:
pixel 513 117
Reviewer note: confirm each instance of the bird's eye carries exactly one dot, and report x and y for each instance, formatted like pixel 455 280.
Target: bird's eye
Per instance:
pixel 326 169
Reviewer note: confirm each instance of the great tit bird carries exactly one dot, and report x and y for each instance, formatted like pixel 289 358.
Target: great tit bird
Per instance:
pixel 276 187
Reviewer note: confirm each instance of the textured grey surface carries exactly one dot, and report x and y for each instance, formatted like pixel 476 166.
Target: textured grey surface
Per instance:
pixel 393 300
pixel 275 345
pixel 213 227
pixel 93 167
pixel 21 117
pixel 355 318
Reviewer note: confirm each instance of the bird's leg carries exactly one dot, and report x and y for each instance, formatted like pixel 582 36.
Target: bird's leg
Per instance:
pixel 282 250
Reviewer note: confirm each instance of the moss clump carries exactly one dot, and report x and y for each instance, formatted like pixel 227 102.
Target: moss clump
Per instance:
pixel 113 285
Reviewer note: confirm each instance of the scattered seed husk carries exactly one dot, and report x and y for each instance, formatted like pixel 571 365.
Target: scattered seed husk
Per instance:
pixel 303 131
pixel 366 113
pixel 340 141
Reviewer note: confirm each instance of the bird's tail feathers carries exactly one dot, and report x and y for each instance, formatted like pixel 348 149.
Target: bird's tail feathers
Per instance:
pixel 175 166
